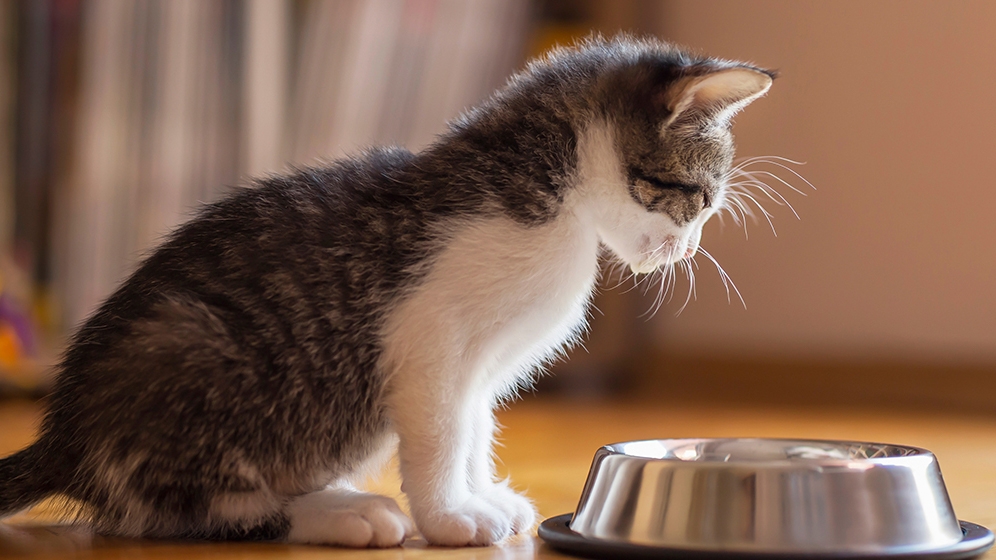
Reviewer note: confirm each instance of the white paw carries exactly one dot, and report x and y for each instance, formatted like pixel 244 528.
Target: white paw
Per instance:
pixel 482 520
pixel 518 508
pixel 348 518
pixel 474 523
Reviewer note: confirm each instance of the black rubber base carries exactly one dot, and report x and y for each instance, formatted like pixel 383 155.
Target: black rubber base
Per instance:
pixel 556 532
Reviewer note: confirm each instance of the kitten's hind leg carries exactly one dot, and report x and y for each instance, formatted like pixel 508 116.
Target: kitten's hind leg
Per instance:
pixel 347 517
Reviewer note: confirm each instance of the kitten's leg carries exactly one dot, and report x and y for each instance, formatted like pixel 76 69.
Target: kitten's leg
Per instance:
pixel 435 418
pixel 149 495
pixel 483 479
pixel 339 515
pixel 345 516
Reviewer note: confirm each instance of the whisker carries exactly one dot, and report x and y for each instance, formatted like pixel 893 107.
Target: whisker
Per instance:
pixel 612 272
pixel 678 266
pixel 735 198
pixel 768 190
pixel 668 278
pixel 733 208
pixel 729 209
pixel 779 158
pixel 663 284
pixel 673 281
pixel 618 270
pixel 654 306
pixel 777 161
pixel 753 175
pixel 695 292
pixel 722 220
pixel 691 285
pixel 727 281
pixel 770 160
pixel 767 215
pixel 659 300
pixel 637 281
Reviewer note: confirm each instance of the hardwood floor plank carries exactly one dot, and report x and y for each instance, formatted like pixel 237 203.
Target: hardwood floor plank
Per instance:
pixel 547 448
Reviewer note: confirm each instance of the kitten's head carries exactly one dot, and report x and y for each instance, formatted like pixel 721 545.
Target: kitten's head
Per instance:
pixel 657 150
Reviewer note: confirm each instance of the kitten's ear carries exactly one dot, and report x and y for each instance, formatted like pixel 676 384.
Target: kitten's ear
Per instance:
pixel 719 95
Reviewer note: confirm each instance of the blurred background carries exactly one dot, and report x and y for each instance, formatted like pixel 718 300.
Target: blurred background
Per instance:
pixel 118 117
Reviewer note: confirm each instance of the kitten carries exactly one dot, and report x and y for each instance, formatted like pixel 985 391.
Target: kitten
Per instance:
pixel 297 333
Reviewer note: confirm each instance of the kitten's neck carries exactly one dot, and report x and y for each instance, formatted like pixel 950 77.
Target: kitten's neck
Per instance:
pixel 518 151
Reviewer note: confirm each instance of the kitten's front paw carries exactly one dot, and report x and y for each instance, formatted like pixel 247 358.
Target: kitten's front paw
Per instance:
pixel 519 509
pixel 348 518
pixel 476 522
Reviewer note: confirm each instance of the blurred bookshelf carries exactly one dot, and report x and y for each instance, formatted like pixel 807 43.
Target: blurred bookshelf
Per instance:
pixel 119 117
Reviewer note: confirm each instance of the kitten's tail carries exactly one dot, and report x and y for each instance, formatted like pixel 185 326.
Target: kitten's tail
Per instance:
pixel 22 480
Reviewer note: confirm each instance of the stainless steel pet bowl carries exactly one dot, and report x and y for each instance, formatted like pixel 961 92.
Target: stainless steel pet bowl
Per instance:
pixel 754 498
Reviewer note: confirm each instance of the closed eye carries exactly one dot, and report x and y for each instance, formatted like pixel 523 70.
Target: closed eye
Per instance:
pixel 665 185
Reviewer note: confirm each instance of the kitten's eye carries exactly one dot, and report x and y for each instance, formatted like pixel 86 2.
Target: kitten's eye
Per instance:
pixel 665 185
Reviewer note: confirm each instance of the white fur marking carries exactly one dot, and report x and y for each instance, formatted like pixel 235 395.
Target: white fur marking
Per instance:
pixel 346 517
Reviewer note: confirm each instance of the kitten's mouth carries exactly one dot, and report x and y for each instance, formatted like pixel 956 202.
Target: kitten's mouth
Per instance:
pixel 645 267
pixel 656 260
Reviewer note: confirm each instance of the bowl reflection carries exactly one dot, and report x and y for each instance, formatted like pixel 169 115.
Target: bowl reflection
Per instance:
pixel 765 495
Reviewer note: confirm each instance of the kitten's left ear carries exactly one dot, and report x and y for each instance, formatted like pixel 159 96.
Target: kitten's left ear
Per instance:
pixel 719 94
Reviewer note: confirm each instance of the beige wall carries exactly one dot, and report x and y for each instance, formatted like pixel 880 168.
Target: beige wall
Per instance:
pixel 893 106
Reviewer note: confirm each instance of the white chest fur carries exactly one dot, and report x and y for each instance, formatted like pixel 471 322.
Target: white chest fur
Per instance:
pixel 500 299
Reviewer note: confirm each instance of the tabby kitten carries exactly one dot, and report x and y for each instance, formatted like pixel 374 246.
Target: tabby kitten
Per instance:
pixel 295 334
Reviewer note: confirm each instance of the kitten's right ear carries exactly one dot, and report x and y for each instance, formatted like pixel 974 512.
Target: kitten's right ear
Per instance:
pixel 718 95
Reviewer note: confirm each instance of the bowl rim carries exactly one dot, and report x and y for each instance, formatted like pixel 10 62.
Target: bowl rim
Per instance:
pixel 914 453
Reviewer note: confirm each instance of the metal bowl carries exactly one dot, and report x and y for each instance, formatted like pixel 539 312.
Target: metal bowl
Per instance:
pixel 757 497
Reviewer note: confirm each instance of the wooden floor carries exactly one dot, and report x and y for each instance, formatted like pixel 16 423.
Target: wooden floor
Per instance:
pixel 547 449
